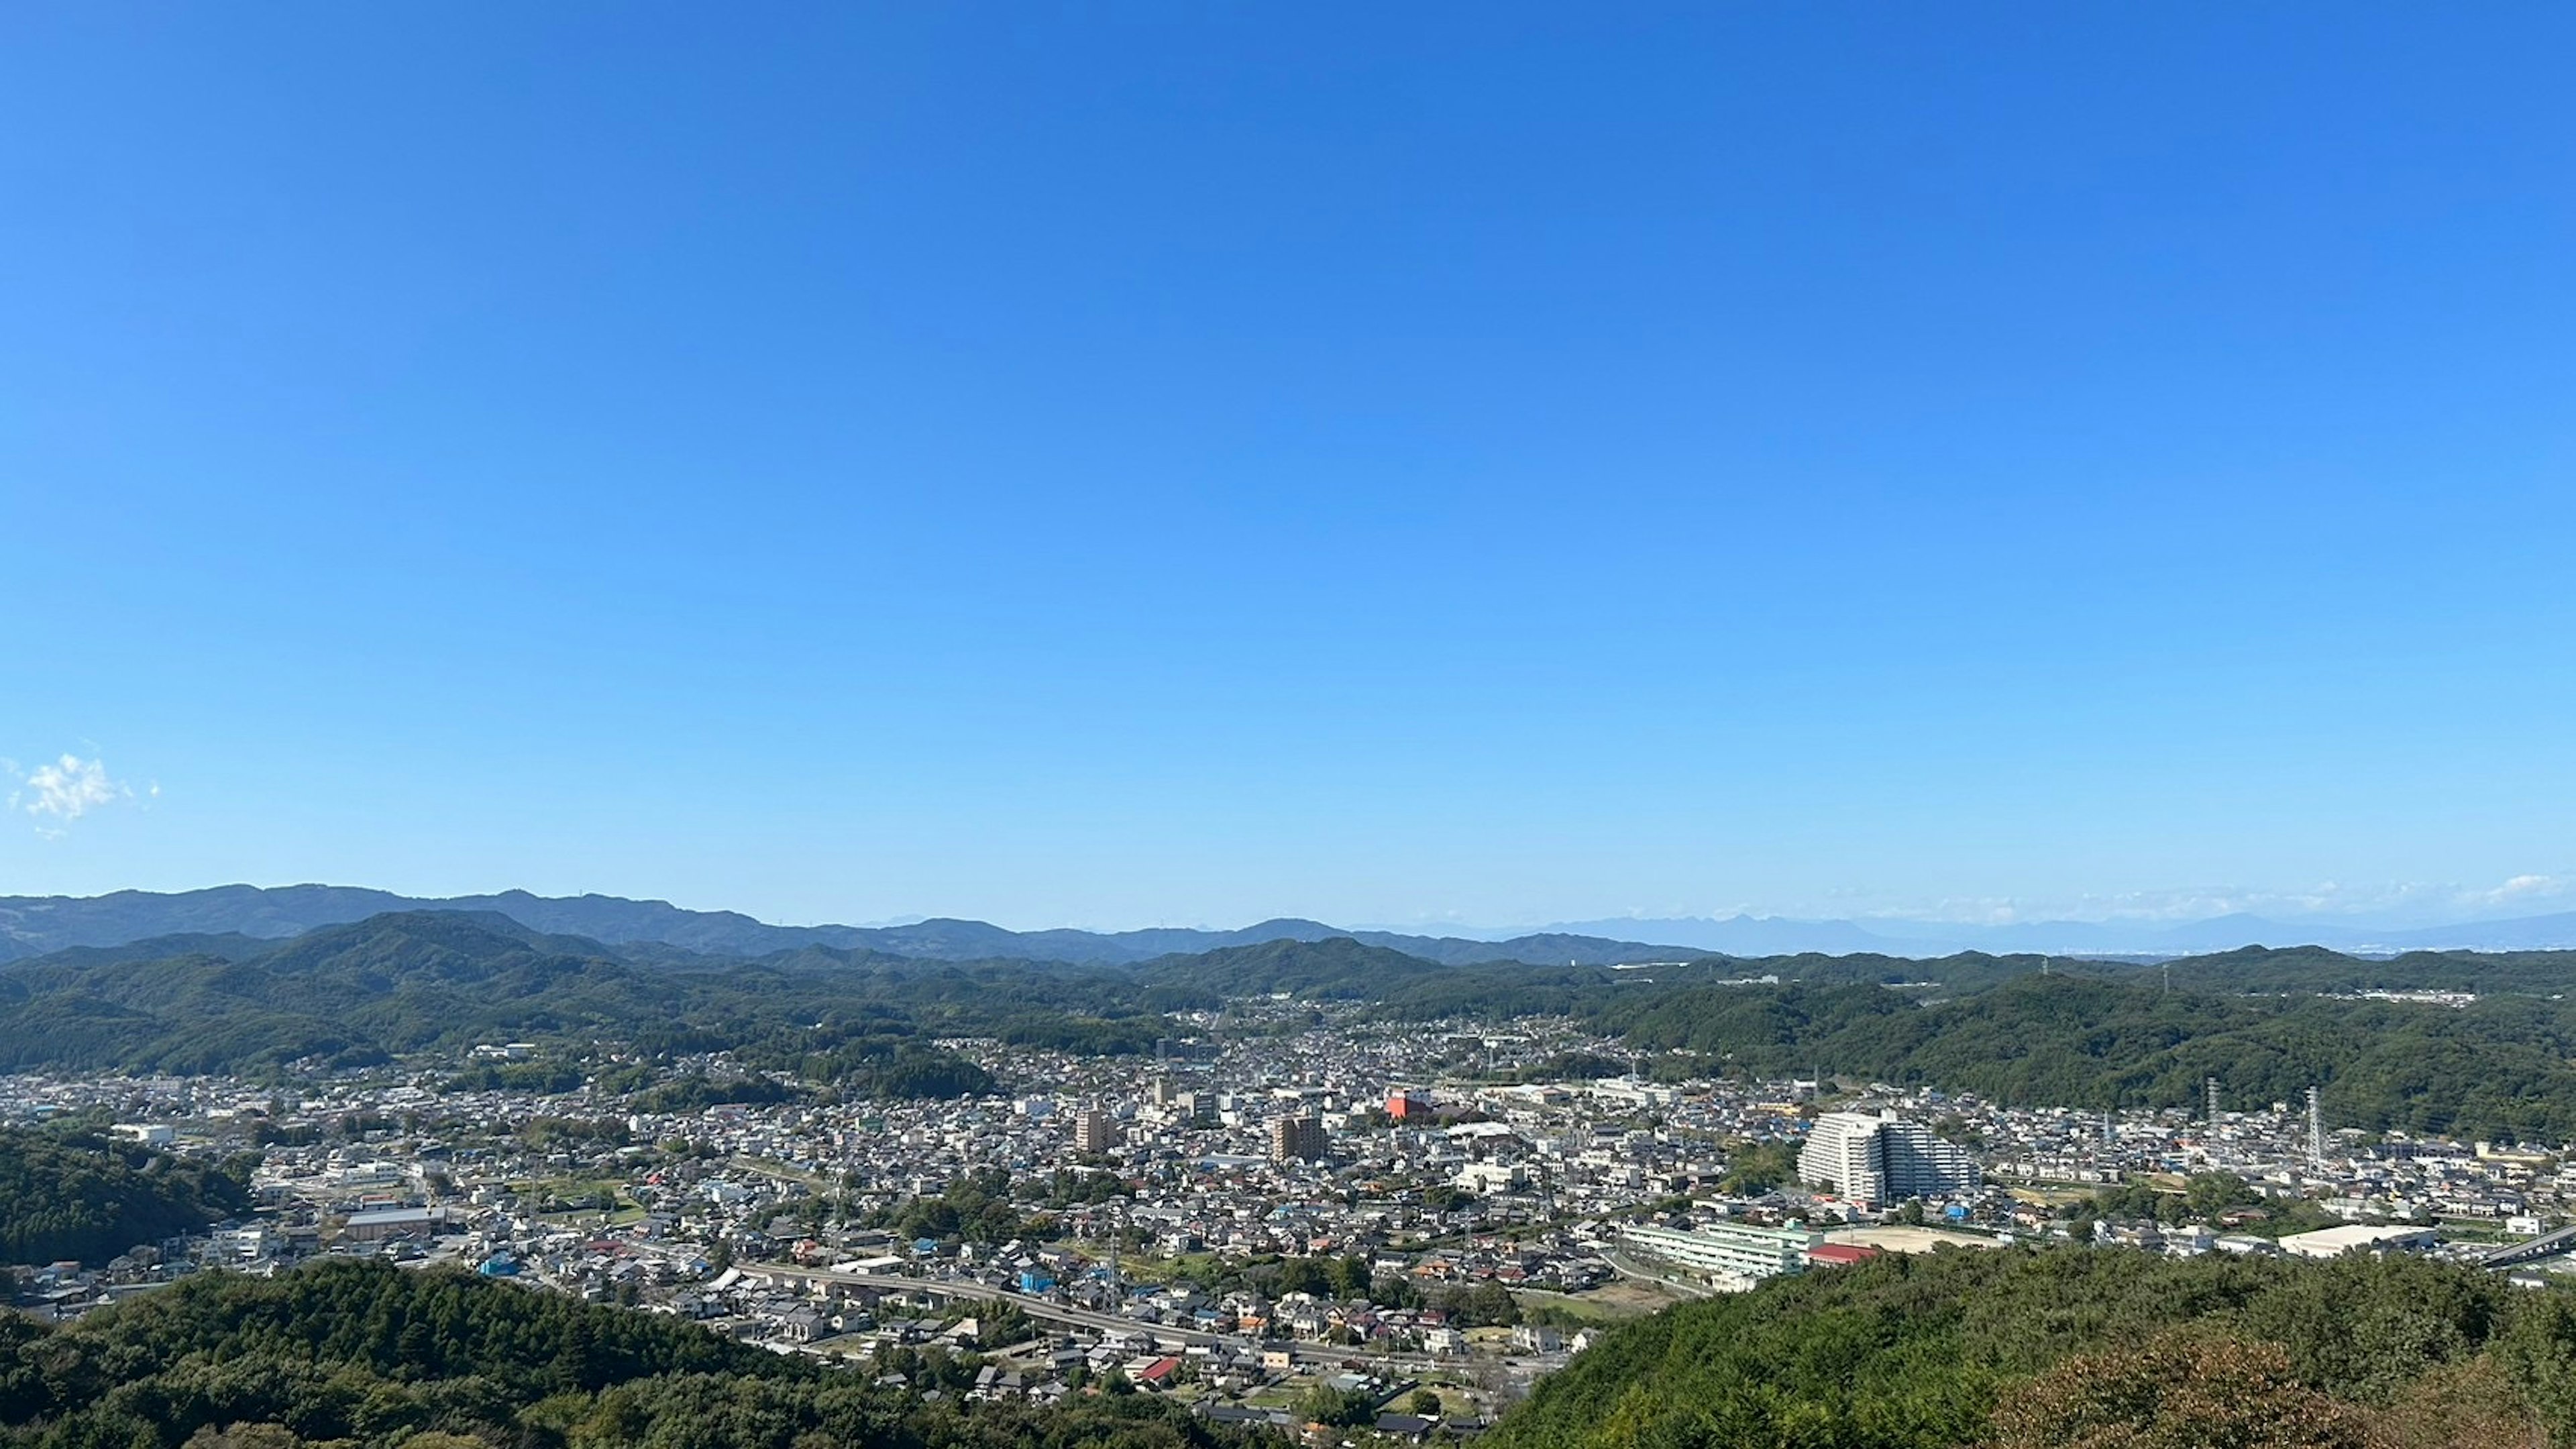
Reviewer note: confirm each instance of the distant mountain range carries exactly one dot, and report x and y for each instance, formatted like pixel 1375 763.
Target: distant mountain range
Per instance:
pixel 1744 935
pixel 35 925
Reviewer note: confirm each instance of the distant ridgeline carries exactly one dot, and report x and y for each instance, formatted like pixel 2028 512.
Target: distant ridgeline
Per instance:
pixel 863 1023
pixel 38 925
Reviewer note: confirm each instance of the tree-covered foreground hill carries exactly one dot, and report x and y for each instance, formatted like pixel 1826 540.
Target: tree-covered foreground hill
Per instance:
pixel 365 1354
pixel 80 1196
pixel 2097 1348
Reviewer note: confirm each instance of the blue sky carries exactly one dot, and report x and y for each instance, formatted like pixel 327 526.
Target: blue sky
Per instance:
pixel 1175 463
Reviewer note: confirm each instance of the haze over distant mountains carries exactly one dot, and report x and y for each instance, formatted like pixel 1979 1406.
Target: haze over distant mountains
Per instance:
pixel 33 925
pixel 1770 935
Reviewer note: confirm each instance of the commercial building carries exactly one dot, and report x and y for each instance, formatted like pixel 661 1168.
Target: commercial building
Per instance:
pixel 1726 1250
pixel 1297 1139
pixel 2359 1238
pixel 383 1223
pixel 1095 1132
pixel 1875 1158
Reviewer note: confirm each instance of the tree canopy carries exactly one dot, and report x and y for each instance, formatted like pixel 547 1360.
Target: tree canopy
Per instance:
pixel 78 1195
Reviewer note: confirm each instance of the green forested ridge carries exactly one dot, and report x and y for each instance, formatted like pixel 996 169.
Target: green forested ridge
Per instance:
pixel 354 995
pixel 2497 1069
pixel 362 1352
pixel 2078 1347
pixel 73 1194
pixel 2313 968
pixel 2088 1034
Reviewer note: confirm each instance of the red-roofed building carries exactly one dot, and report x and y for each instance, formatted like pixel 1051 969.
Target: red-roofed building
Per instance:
pixel 1828 1255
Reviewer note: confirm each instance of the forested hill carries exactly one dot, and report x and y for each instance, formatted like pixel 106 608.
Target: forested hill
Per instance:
pixel 437 981
pixel 72 1194
pixel 367 1356
pixel 2081 1348
pixel 2026 1030
pixel 2314 969
pixel 2499 1068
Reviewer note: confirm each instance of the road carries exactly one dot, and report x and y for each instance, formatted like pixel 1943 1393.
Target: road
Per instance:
pixel 2547 1245
pixel 1630 1270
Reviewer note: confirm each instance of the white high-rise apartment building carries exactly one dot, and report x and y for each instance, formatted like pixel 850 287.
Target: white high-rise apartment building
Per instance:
pixel 1877 1158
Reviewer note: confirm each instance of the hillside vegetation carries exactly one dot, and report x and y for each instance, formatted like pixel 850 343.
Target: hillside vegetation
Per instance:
pixel 80 1196
pixel 2080 1347
pixel 363 1354
pixel 428 981
pixel 2498 1069
pixel 858 1021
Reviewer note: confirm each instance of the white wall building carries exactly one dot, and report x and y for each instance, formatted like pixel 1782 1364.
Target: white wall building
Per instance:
pixel 1726 1250
pixel 1874 1158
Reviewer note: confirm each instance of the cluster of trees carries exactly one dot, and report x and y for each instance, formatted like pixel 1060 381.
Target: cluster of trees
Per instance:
pixel 2075 1347
pixel 72 1194
pixel 697 1092
pixel 544 1077
pixel 1754 1168
pixel 975 1208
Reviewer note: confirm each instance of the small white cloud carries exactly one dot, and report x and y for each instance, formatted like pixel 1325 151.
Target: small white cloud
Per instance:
pixel 64 791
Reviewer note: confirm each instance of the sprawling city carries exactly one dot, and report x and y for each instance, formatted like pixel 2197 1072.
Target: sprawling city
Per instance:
pixel 1182 726
pixel 1288 1204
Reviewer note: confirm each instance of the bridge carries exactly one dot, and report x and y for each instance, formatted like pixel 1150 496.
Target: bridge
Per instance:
pixel 2547 1245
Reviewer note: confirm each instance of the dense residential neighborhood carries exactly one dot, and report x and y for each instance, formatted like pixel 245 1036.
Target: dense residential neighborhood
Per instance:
pixel 1280 1205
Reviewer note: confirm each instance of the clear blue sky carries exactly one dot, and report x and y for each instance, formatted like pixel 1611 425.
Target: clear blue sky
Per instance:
pixel 1118 464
